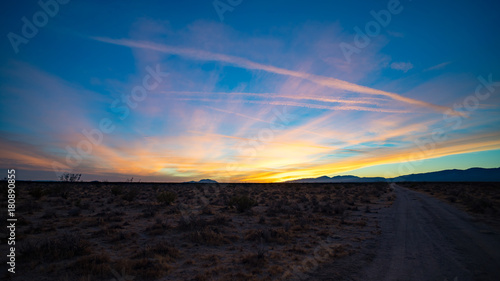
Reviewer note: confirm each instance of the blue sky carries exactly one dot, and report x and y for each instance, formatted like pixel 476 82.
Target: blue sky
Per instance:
pixel 261 92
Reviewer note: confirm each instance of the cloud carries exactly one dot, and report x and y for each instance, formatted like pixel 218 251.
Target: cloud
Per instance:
pixel 355 104
pixel 207 115
pixel 248 64
pixel 403 66
pixel 299 104
pixel 438 66
pixel 301 96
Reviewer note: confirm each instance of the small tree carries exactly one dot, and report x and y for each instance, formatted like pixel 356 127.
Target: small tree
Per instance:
pixel 69 177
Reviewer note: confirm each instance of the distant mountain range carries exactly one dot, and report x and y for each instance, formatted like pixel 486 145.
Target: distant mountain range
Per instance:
pixel 469 175
pixel 202 181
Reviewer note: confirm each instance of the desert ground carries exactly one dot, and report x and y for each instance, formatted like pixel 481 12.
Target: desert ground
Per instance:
pixel 150 231
pixel 141 231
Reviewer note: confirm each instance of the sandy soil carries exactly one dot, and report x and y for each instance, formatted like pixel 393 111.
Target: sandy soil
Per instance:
pixel 423 238
pixel 140 231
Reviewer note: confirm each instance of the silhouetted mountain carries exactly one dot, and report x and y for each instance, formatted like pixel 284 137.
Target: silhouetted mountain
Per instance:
pixel 326 179
pixel 203 181
pixel 472 174
pixel 469 175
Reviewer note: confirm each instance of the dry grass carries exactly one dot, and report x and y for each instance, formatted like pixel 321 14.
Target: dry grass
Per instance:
pixel 482 200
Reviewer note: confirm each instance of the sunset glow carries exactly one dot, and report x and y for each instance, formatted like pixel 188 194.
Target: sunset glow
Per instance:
pixel 175 94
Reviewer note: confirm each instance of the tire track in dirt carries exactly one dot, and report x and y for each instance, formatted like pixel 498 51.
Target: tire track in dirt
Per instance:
pixel 422 239
pixel 426 239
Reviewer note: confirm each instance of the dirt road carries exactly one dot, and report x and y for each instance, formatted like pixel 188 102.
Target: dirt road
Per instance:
pixel 426 239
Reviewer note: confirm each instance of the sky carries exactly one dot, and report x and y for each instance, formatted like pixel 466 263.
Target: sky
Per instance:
pixel 248 91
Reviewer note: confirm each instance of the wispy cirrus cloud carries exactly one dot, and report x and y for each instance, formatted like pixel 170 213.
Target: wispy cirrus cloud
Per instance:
pixel 403 66
pixel 299 96
pixel 273 99
pixel 438 66
pixel 248 64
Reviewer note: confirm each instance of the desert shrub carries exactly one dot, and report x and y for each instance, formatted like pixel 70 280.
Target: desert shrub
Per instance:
pixel 122 235
pixel 242 203
pixel 163 248
pixel 219 220
pixel 280 207
pixel 54 249
pixel 36 192
pixel 147 267
pixel 364 199
pixel 159 227
pixel 69 177
pixel 117 190
pixel 93 265
pixel 29 206
pixel 253 235
pixel 254 259
pixel 191 223
pixel 149 212
pixel 208 236
pixel 277 235
pixel 166 197
pixel 479 205
pixel 49 214
pixel 130 195
pixel 262 220
pixel 286 226
pixel 74 212
pixel 367 209
pixel 339 209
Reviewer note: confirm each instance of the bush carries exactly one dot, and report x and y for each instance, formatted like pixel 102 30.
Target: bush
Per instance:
pixel 130 195
pixel 162 248
pixel 254 260
pixel 93 265
pixel 37 192
pixel 242 203
pixel 207 236
pixel 479 205
pixel 69 177
pixel 116 190
pixel 167 197
pixel 55 249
